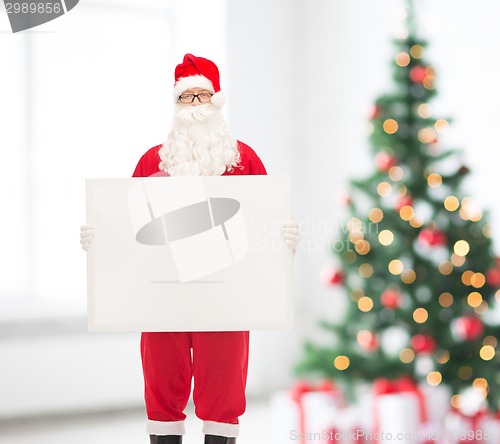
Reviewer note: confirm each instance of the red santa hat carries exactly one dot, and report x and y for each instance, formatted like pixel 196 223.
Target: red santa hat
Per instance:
pixel 197 72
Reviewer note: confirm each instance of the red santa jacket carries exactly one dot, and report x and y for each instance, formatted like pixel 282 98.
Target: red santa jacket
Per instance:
pixel 250 164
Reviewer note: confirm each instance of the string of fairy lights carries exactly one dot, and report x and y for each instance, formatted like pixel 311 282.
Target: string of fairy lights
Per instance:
pixel 392 186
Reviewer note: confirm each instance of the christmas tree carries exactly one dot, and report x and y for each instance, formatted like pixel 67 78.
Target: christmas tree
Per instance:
pixel 416 259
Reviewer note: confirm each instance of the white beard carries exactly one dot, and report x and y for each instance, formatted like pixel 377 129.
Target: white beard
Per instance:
pixel 199 143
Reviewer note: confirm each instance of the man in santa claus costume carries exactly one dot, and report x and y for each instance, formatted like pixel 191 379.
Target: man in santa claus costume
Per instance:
pixel 199 144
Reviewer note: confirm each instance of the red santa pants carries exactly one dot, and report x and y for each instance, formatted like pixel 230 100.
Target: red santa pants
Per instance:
pixel 218 363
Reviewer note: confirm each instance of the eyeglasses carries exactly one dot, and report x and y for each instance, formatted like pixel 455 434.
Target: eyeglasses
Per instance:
pixel 203 97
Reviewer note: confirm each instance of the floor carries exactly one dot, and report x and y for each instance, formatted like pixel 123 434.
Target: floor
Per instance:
pixel 127 427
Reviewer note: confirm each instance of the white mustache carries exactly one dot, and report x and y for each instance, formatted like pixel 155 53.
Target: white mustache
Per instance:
pixel 195 113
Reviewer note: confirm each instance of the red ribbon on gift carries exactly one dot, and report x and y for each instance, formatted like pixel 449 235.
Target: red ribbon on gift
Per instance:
pixel 474 423
pixel 299 390
pixel 403 384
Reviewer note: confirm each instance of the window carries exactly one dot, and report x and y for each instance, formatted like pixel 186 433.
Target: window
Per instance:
pixel 83 96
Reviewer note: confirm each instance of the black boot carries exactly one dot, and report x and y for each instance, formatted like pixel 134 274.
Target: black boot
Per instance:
pixel 214 439
pixel 166 439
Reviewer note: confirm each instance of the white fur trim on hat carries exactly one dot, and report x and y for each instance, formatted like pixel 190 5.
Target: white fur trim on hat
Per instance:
pixel 197 81
pixel 218 99
pixel 221 429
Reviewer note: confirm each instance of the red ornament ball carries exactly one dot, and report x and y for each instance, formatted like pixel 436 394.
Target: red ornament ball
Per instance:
pixel 493 277
pixel 367 341
pixel 468 328
pixel 423 344
pixel 390 298
pixel 432 238
pixel 337 278
pixel 417 74
pixel 375 112
pixel 385 161
pixel 345 199
pixel 332 277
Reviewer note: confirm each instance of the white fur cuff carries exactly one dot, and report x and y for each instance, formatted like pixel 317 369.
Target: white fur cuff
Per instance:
pixel 221 429
pixel 161 428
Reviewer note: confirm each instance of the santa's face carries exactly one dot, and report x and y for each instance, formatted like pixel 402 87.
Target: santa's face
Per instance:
pixel 199 142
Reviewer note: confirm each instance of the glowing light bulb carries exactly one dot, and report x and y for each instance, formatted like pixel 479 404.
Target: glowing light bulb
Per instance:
pixel 461 248
pixel 441 126
pixel 365 270
pixel 424 110
pixel 451 203
pixel 402 191
pixel 427 135
pixel 457 260
pixel 466 277
pixel 396 267
pixel 396 173
pixel 416 221
pixel 445 268
pixel 417 51
pixel 365 304
pixel 434 180
pixel 362 247
pixel 474 299
pixel 487 352
pixel 455 401
pixel 386 237
pixel 478 280
pixel 376 215
pixel 480 384
pixel 390 126
pixel 443 356
pixel 402 59
pixel 476 215
pixel 434 378
pixel 420 315
pixel 408 276
pixel 341 362
pixel 406 212
pixel 445 299
pixel 384 189
pixel 406 355
pixel 428 83
pixel 430 77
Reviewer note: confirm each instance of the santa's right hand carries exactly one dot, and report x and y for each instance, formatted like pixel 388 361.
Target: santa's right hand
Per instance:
pixel 86 236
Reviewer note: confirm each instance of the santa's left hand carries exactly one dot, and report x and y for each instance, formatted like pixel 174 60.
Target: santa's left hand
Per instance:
pixel 291 235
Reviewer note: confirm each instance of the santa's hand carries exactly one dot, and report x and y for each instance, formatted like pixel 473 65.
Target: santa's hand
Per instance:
pixel 86 236
pixel 291 234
